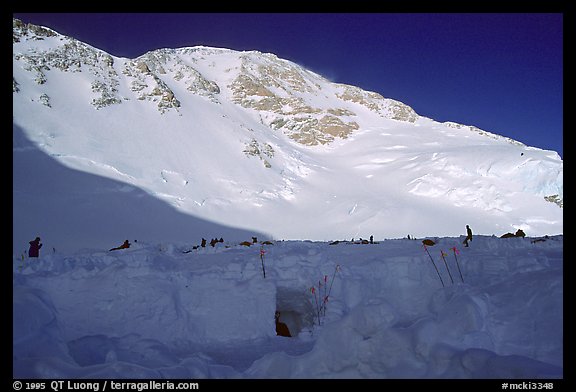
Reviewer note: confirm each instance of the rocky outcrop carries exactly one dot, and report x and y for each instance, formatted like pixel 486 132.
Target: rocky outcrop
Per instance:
pixel 45 100
pixel 387 108
pixel 284 94
pixel 262 151
pixel 71 56
pixel 479 131
pixel 168 65
pixel 147 73
pixel 149 87
pixel 364 98
pixel 278 88
pixel 555 199
pixel 401 112
pixel 21 29
pixel 312 131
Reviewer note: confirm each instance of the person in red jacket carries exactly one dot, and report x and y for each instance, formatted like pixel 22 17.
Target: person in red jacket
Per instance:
pixel 35 246
pixel 125 245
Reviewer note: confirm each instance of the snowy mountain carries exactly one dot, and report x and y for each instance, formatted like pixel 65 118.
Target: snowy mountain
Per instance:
pixel 180 144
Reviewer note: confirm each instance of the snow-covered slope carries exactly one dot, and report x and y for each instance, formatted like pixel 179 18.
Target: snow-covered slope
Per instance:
pixel 219 141
pixel 166 311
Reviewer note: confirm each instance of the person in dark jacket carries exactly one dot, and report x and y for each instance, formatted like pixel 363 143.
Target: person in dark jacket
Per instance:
pixel 35 246
pixel 468 235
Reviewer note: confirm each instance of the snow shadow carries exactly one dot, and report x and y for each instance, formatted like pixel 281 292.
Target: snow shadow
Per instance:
pixel 72 210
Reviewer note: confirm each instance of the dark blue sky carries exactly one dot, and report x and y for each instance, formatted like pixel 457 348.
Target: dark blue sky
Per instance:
pixel 500 72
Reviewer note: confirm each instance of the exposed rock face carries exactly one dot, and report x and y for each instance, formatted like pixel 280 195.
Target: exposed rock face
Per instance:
pixel 282 92
pixel 71 56
pixel 35 32
pixel 387 108
pixel 262 151
pixel 159 69
pixel 480 131
pixel 555 199
pixel 280 88
pixel 286 97
pixel 45 100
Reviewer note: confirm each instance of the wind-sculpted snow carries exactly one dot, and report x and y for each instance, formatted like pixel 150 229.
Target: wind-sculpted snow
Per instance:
pixel 166 310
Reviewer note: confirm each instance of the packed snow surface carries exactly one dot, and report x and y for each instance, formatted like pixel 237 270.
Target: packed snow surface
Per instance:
pixel 393 309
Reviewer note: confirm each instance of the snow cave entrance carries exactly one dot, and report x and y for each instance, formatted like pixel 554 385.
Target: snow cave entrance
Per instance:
pixel 295 309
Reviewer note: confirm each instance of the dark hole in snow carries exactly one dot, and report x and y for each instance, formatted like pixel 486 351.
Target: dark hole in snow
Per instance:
pixel 295 309
pixel 91 350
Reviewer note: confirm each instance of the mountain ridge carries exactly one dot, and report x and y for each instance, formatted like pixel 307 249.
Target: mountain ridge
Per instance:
pixel 250 84
pixel 247 138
